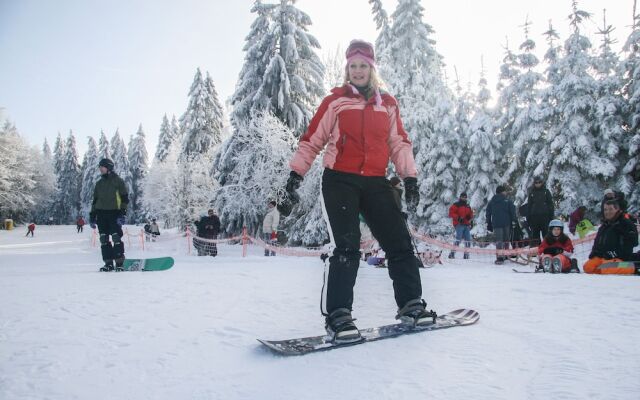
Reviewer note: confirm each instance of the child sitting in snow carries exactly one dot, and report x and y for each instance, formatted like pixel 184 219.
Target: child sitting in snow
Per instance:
pixel 556 250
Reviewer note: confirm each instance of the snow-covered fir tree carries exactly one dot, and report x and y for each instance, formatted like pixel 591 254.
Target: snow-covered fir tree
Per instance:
pixel 138 167
pixel 334 68
pixel 120 158
pixel 46 152
pixel 201 124
pixel 522 120
pixel 609 109
pixel 483 154
pixel 266 145
pixel 575 167
pixel 89 176
pixel 68 184
pixel 159 193
pixel 58 153
pixel 464 109
pixel 630 73
pixel 381 18
pixel 166 140
pixel 282 74
pixel 104 150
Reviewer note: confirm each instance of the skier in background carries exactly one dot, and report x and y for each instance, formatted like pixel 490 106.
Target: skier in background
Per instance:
pixel 30 228
pixel 501 215
pixel 359 127
pixel 462 218
pixel 208 228
pixel 80 224
pixel 108 212
pixel 270 226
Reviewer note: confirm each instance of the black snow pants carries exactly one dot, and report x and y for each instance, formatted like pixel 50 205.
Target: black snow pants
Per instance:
pixel 345 196
pixel 107 226
pixel 538 225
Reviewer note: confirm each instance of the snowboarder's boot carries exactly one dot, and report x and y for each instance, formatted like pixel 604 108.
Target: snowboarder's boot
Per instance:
pixel 108 266
pixel 556 266
pixel 546 264
pixel 415 313
pixel 574 266
pixel 119 263
pixel 339 325
pixel 499 261
pixel 452 255
pixel 466 256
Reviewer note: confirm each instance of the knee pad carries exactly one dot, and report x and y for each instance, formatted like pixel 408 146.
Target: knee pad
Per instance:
pixel 116 238
pixel 104 239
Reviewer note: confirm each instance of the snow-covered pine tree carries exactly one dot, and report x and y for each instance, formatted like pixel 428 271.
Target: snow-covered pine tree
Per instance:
pixel 464 109
pixel 575 166
pixel 266 145
pixel 45 183
pixel 483 154
pixel 334 68
pixel 201 124
pixel 120 158
pixel 89 176
pixel 630 72
pixel 381 18
pixel 46 153
pixel 609 109
pixel 292 83
pixel 58 153
pixel 68 183
pixel 104 150
pixel 160 194
pixel 138 167
pixel 523 121
pixel 166 139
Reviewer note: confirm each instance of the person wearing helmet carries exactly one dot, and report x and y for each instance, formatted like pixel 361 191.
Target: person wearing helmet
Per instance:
pixel 556 250
pixel 108 212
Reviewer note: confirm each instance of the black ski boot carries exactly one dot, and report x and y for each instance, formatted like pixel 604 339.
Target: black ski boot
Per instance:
pixel 340 326
pixel 108 266
pixel 119 262
pixel 415 314
pixel 574 266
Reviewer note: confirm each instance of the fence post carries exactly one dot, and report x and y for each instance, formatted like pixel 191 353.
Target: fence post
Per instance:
pixel 126 232
pixel 93 237
pixel 244 241
pixel 142 238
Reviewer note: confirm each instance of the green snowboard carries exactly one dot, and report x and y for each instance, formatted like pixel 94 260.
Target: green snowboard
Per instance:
pixel 148 264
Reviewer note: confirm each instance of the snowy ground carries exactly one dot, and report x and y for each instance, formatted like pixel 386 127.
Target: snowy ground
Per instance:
pixel 70 332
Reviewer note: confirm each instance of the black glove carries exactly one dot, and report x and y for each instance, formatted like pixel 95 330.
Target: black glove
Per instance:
pixel 93 220
pixel 290 197
pixel 411 193
pixel 489 226
pixel 552 251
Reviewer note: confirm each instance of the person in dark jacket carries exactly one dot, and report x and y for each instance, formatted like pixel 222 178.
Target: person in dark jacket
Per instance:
pixel 208 228
pixel 108 212
pixel 576 217
pixel 501 215
pixel 614 242
pixel 462 217
pixel 360 130
pixel 540 210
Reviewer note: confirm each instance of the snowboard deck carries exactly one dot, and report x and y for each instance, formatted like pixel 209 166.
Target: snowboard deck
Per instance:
pixel 312 344
pixel 148 264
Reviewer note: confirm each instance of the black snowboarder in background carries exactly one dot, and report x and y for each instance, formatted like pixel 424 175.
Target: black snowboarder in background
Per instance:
pixel 208 228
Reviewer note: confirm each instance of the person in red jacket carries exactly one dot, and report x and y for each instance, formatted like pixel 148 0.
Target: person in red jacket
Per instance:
pixel 80 223
pixel 556 249
pixel 462 217
pixel 359 128
pixel 30 228
pixel 576 217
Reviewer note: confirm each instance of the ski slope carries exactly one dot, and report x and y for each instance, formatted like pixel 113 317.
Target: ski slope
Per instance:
pixel 70 332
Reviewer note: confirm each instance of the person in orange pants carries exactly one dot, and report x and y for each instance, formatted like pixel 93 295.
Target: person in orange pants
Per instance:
pixel 556 249
pixel 614 242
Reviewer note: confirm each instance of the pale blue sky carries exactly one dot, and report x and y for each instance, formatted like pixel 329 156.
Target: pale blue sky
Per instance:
pixel 89 65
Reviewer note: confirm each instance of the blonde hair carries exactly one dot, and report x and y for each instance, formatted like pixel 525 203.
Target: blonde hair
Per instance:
pixel 375 82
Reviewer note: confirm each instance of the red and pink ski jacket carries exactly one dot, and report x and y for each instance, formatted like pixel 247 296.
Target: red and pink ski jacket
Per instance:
pixel 360 136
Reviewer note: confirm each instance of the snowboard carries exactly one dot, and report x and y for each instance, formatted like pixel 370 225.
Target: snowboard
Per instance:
pixel 312 344
pixel 148 264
